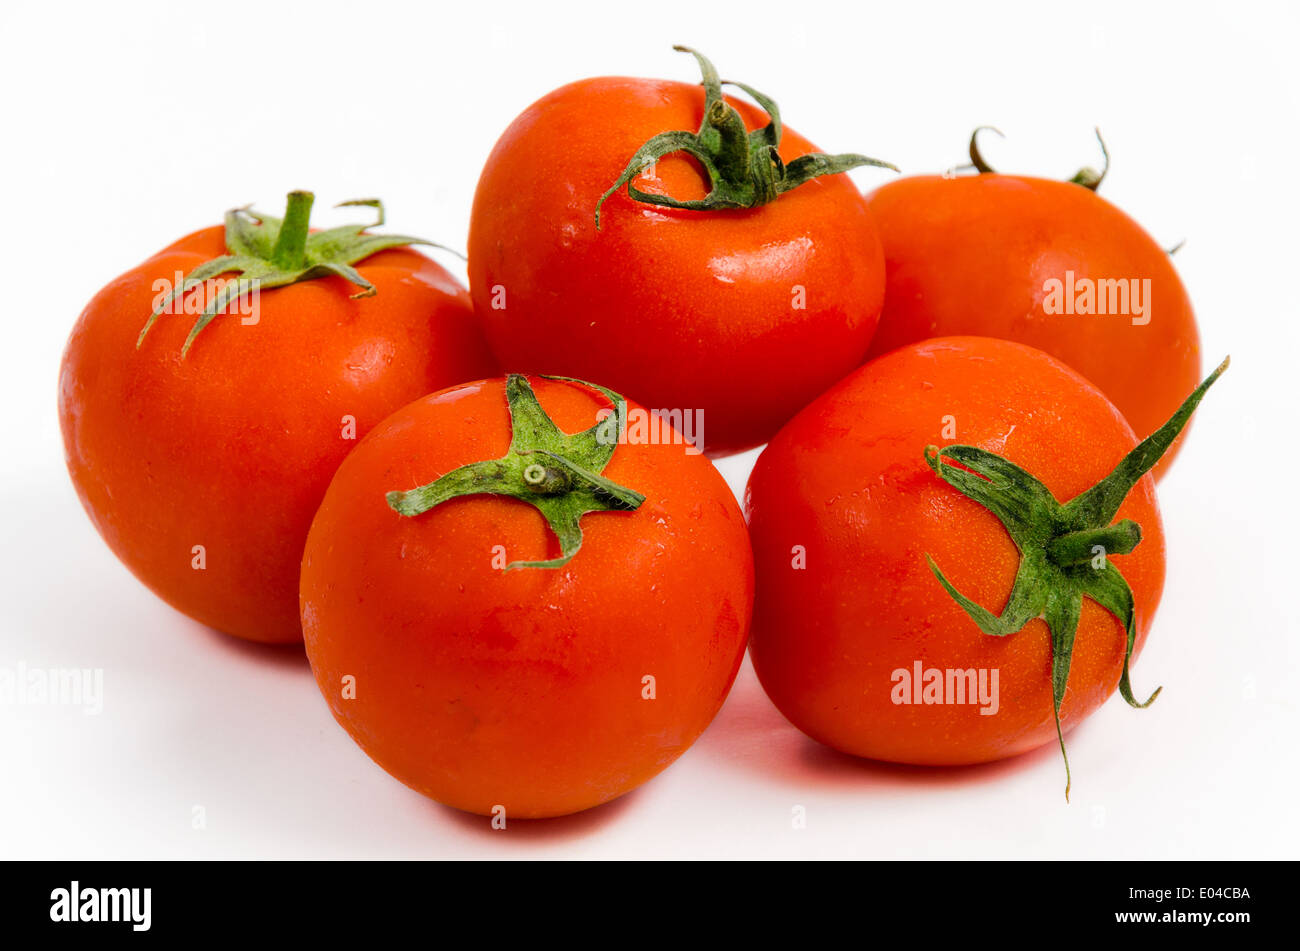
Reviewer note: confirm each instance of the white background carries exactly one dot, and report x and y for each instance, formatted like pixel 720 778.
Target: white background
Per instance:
pixel 128 125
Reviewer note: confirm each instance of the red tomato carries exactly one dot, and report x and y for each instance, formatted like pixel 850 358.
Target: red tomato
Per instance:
pixel 203 472
pixel 538 690
pixel 844 510
pixel 744 313
pixel 978 255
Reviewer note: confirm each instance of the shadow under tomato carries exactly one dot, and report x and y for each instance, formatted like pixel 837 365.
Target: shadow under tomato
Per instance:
pixel 832 766
pixel 542 831
pixel 751 734
pixel 280 656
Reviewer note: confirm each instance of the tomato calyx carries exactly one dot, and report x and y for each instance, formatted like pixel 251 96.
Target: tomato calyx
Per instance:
pixel 557 473
pixel 745 169
pixel 267 252
pixel 1087 176
pixel 1064 549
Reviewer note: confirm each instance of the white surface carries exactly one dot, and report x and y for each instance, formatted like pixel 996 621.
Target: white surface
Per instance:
pixel 128 125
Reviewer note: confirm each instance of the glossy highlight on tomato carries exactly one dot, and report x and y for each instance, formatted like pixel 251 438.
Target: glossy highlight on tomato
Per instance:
pixel 976 254
pixel 202 471
pixel 844 510
pixel 540 691
pixel 744 313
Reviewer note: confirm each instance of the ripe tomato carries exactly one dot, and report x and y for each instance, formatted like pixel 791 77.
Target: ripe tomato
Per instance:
pixel 979 255
pixel 202 471
pixel 844 510
pixel 483 680
pixel 679 307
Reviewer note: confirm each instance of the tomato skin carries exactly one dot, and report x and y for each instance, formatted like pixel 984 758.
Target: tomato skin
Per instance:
pixel 970 255
pixel 677 309
pixel 846 480
pixel 480 687
pixel 232 447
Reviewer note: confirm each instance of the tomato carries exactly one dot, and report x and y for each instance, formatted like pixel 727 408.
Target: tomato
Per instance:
pixel 498 656
pixel 745 313
pixel 202 469
pixel 1025 259
pixel 846 505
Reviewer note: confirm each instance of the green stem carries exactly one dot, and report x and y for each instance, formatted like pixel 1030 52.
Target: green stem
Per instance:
pixel 268 252
pixel 290 250
pixel 564 487
pixel 745 168
pixel 547 479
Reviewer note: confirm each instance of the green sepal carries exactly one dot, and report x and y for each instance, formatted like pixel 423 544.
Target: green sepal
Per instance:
pixel 1064 549
pixel 557 473
pixel 1087 176
pixel 744 168
pixel 266 252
